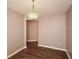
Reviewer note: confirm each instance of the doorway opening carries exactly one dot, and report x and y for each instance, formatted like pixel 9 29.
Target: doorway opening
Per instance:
pixel 32 33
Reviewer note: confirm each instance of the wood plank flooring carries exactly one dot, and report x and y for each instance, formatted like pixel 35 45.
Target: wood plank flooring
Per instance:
pixel 40 53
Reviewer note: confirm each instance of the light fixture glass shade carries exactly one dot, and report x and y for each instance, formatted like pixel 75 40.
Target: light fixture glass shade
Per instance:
pixel 33 15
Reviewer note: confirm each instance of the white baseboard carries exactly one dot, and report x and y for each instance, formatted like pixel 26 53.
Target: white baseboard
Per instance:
pixel 16 52
pixel 31 40
pixel 52 47
pixel 68 54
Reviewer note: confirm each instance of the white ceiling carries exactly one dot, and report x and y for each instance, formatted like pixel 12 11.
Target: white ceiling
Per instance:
pixel 44 7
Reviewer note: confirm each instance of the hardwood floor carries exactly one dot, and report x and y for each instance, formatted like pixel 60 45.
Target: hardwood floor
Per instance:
pixel 40 53
pixel 32 44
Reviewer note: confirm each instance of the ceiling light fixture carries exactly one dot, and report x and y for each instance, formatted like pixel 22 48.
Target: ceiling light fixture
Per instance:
pixel 33 15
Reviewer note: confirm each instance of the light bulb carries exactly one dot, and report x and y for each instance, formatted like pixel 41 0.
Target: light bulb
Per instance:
pixel 33 15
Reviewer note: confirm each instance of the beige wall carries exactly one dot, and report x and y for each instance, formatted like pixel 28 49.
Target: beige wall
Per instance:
pixel 69 31
pixel 52 31
pixel 32 30
pixel 15 31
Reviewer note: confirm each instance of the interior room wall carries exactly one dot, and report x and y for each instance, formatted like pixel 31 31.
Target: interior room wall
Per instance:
pixel 25 31
pixel 32 30
pixel 15 31
pixel 52 31
pixel 69 30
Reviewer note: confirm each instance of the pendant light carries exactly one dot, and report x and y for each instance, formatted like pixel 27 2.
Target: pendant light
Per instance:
pixel 33 15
